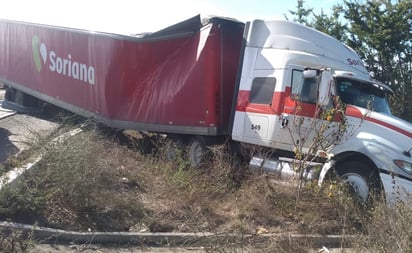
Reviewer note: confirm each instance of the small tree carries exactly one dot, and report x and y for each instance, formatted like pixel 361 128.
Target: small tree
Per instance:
pixel 313 137
pixel 318 122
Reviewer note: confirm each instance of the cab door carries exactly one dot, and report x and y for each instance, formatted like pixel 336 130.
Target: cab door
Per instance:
pixel 258 111
pixel 308 124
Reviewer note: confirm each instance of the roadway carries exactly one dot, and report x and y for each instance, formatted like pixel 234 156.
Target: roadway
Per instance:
pixel 19 131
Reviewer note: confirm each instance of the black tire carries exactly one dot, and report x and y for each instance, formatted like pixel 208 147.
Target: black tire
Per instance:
pixel 31 101
pixel 19 97
pixel 173 149
pixel 197 151
pixel 145 145
pixel 24 102
pixel 10 93
pixel 362 179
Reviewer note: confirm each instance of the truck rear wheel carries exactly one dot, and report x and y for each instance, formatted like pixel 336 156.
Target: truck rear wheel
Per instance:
pixel 197 151
pixel 361 178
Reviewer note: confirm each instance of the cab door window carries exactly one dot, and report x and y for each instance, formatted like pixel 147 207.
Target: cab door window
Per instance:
pixel 304 90
pixel 262 90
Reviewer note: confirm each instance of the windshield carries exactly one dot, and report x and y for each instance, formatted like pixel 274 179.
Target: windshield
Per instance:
pixel 363 94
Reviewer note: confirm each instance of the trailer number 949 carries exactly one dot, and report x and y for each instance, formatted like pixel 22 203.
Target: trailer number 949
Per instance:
pixel 255 127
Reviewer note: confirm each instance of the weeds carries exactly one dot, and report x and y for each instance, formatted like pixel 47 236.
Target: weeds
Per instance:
pixel 71 188
pixel 387 229
pixel 15 242
pixel 178 170
pixel 90 182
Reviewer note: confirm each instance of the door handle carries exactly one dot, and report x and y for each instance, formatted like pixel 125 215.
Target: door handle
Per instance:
pixel 284 120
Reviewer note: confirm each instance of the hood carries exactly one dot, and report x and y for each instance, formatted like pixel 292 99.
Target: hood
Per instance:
pixel 390 126
pixel 402 126
pixel 386 120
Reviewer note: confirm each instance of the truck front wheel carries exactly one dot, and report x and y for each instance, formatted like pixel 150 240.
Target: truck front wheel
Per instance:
pixel 361 178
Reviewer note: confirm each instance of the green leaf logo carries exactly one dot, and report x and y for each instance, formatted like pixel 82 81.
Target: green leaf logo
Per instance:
pixel 36 52
pixel 39 52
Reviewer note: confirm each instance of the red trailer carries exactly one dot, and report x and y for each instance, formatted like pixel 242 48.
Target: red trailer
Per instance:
pixel 179 80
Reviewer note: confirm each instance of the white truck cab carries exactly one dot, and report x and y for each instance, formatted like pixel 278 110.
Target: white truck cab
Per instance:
pixel 276 89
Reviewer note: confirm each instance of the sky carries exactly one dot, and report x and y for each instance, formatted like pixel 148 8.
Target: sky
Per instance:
pixel 137 16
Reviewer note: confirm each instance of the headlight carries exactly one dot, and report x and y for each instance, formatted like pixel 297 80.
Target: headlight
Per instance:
pixel 405 166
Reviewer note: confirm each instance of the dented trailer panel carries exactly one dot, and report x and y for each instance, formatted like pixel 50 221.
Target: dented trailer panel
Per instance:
pixel 178 80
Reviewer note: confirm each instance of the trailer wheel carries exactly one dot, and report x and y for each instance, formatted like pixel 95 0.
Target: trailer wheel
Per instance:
pixel 22 102
pixel 197 151
pixel 173 149
pixel 145 144
pixel 10 93
pixel 361 178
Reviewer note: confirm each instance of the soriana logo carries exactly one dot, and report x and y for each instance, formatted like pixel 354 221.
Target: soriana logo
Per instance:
pixel 62 65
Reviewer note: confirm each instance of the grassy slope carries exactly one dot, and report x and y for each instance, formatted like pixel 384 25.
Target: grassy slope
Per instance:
pixel 92 183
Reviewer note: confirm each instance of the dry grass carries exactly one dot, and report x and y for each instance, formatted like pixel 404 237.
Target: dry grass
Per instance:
pixel 387 229
pixel 93 183
pixel 15 241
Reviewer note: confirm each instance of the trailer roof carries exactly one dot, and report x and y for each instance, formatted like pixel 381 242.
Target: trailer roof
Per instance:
pixel 188 26
pixel 183 28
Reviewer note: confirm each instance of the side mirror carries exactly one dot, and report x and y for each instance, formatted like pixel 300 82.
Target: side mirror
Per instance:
pixel 325 87
pixel 310 73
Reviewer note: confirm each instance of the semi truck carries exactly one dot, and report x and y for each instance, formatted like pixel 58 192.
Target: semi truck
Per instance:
pixel 211 80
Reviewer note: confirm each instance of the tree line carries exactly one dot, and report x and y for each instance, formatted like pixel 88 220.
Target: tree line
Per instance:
pixel 380 31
